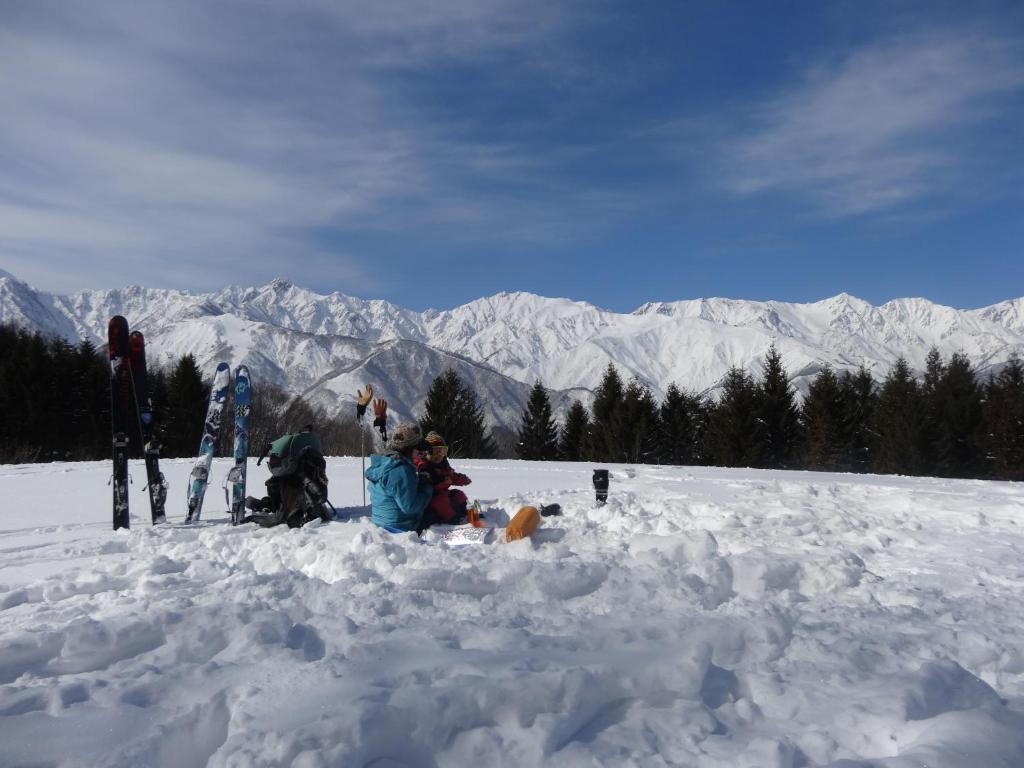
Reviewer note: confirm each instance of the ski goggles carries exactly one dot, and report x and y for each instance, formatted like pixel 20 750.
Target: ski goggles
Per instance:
pixel 437 452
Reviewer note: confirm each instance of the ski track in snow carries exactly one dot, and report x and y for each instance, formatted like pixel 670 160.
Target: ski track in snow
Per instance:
pixel 703 617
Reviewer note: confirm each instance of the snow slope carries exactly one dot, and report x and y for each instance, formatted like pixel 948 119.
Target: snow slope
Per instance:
pixel 704 617
pixel 328 346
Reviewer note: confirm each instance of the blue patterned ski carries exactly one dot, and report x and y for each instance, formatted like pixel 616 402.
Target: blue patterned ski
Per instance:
pixel 200 476
pixel 236 475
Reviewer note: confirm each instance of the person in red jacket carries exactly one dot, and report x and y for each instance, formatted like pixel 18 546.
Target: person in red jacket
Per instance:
pixel 448 504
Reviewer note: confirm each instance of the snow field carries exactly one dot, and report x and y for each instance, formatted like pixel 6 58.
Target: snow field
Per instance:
pixel 703 617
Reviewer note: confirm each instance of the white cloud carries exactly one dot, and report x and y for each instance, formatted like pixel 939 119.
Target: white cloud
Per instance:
pixel 882 127
pixel 205 141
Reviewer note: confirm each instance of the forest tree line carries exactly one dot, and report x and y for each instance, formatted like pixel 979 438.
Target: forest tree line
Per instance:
pixel 55 405
pixel 948 424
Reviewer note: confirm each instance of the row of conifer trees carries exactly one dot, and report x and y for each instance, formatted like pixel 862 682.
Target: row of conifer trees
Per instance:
pixel 948 423
pixel 55 404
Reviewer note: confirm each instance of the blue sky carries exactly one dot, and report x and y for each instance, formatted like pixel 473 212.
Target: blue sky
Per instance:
pixel 432 153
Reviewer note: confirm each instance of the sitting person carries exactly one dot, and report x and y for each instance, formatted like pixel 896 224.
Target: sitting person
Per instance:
pixel 398 497
pixel 448 504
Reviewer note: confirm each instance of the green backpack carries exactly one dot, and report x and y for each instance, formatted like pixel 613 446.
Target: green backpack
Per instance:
pixel 297 488
pixel 286 455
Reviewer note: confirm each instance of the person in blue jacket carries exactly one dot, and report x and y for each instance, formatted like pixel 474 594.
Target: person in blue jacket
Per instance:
pixel 398 496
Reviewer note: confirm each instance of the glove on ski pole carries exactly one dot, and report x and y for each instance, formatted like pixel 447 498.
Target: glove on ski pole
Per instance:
pixel 362 401
pixel 380 421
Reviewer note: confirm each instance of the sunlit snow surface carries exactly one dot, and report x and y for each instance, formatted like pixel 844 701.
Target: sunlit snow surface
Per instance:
pixel 703 617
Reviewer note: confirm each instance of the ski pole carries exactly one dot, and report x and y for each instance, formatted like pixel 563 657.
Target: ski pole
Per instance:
pixel 361 402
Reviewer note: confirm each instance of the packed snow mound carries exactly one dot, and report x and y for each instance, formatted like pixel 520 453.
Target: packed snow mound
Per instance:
pixel 701 617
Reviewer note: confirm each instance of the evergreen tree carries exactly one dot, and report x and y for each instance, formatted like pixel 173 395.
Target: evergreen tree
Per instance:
pixel 54 399
pixel 934 370
pixel 681 424
pixel 17 406
pixel 187 399
pixel 478 443
pixel 899 423
pixel 505 442
pixel 91 402
pixel 159 395
pixel 958 420
pixel 538 435
pixel 605 437
pixel 573 436
pixel 8 434
pixel 932 406
pixel 452 409
pixel 860 399
pixel 1004 422
pixel 638 425
pixel 60 400
pixel 777 410
pixel 822 419
pixel 735 434
pixel 36 389
pixel 442 407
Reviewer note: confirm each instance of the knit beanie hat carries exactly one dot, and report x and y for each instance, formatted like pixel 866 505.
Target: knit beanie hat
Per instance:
pixel 434 439
pixel 406 435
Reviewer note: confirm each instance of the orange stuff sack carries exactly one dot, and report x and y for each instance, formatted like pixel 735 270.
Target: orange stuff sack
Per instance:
pixel 473 516
pixel 523 524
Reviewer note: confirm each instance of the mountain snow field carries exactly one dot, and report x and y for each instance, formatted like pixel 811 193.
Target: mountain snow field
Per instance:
pixel 703 617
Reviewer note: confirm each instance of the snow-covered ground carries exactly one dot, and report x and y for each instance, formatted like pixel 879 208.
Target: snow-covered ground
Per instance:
pixel 703 617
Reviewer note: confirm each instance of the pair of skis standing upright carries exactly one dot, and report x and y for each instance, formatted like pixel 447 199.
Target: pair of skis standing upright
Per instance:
pixel 129 382
pixel 200 477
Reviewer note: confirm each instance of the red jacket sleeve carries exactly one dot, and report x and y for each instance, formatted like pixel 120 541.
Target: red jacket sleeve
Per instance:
pixel 439 475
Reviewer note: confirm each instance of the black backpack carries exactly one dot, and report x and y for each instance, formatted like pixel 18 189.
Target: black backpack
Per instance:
pixel 297 488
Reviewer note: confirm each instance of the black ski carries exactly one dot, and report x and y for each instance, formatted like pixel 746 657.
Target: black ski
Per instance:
pixel 155 483
pixel 120 408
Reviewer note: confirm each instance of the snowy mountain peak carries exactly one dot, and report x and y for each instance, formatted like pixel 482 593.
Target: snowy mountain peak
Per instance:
pixel 1009 314
pixel 845 302
pixel 505 303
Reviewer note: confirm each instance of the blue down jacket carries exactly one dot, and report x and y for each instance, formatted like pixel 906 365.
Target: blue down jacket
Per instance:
pixel 397 499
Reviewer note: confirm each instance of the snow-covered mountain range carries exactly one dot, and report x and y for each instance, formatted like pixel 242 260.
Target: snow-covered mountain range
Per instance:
pixel 326 347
